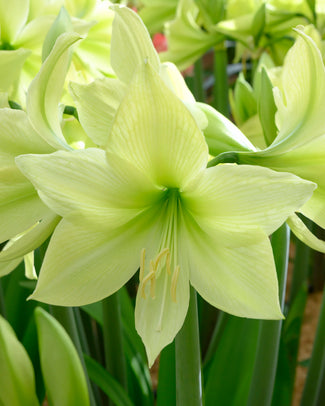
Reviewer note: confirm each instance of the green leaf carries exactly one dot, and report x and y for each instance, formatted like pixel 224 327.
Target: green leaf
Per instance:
pixel 127 310
pixel 63 374
pixel 289 344
pixel 16 370
pixel 267 351
pixel 166 391
pixel 267 108
pixel 19 311
pixel 232 364
pixel 313 394
pixel 107 383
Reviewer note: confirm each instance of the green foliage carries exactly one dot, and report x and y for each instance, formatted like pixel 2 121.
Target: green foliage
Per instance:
pixel 64 379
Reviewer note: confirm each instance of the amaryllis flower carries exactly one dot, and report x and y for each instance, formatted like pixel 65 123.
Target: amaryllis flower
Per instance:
pixel 149 202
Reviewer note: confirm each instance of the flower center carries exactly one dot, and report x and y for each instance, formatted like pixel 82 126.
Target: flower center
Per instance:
pixel 161 273
pixel 5 46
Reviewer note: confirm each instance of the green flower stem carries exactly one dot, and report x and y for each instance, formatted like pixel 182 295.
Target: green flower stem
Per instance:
pixel 2 302
pixel 198 88
pixel 301 266
pixel 81 331
pixel 65 317
pixel 166 391
pixel 314 393
pixel 112 330
pixel 217 333
pixel 207 321
pixel 188 359
pixel 220 89
pixel 262 384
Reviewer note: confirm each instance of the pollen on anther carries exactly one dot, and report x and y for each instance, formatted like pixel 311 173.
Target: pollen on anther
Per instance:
pixel 174 281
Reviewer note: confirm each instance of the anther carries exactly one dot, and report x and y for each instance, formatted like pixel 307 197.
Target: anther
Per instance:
pixel 173 285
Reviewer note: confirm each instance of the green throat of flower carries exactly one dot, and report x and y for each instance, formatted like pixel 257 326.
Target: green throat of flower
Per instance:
pixel 162 270
pixel 5 46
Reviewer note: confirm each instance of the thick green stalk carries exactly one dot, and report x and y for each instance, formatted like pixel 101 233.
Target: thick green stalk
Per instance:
pixel 301 267
pixel 208 316
pixel 220 89
pixel 65 317
pixel 262 384
pixel 112 330
pixel 81 331
pixel 166 391
pixel 216 335
pixel 198 88
pixel 2 302
pixel 314 393
pixel 188 359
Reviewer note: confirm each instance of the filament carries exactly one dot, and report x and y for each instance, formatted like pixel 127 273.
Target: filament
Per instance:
pixel 174 283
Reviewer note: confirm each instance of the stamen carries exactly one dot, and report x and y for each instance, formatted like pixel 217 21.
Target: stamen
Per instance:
pixel 160 256
pixel 153 270
pixel 168 264
pixel 145 281
pixel 173 285
pixel 152 278
pixel 142 262
pixel 153 287
pixel 152 274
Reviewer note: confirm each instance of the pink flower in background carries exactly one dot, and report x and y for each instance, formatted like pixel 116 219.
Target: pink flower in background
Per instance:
pixel 160 42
